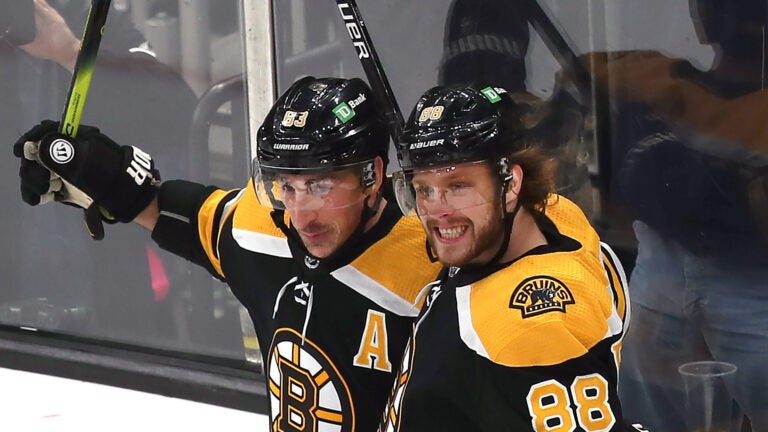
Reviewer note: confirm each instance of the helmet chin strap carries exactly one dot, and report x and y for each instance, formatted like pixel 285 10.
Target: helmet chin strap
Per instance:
pixel 430 252
pixel 367 214
pixel 505 169
pixel 278 217
pixel 509 219
pixel 368 179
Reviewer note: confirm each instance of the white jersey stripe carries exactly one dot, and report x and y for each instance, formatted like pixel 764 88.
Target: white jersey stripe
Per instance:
pixel 615 323
pixel 262 243
pixel 466 329
pixel 368 287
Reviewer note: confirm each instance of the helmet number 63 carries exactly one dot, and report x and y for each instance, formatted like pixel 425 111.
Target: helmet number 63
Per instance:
pixel 295 119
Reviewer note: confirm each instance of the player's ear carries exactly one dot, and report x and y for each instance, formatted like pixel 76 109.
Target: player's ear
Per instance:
pixel 378 172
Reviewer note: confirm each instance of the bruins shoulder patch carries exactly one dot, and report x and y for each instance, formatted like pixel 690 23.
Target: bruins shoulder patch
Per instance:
pixel 540 294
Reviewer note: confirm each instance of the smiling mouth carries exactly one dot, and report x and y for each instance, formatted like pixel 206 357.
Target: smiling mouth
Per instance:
pixel 450 233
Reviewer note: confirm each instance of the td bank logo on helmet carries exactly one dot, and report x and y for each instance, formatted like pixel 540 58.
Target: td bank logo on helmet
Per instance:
pixel 426 144
pixel 345 111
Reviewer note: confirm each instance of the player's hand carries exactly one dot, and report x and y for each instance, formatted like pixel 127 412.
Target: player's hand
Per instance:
pixel 90 170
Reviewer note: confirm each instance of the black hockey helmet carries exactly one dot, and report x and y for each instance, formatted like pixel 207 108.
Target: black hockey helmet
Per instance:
pixel 322 124
pixel 319 125
pixel 459 123
pixel 456 124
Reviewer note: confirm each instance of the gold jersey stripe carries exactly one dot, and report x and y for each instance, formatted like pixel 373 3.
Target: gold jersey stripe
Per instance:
pixel 329 416
pixel 207 227
pixel 321 379
pixel 405 245
pixel 252 216
pixel 274 389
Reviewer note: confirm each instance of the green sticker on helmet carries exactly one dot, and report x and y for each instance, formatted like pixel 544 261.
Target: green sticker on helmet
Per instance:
pixel 344 112
pixel 491 94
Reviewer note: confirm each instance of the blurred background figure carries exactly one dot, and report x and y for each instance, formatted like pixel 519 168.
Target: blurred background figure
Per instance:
pixel 134 98
pixel 690 164
pixel 485 40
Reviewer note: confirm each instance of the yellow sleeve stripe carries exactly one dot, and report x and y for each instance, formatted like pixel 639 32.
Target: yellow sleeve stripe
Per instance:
pixel 208 228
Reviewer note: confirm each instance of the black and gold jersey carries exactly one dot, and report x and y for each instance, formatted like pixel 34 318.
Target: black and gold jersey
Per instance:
pixel 331 331
pixel 528 345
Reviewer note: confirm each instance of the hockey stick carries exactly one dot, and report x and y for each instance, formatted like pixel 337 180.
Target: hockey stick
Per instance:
pixel 78 90
pixel 366 53
pixel 84 65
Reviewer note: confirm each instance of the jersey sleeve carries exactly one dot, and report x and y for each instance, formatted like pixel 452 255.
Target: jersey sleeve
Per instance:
pixel 191 216
pixel 554 359
pixel 537 319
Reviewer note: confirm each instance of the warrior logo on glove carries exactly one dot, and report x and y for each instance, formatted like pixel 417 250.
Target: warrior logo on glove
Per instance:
pixel 62 151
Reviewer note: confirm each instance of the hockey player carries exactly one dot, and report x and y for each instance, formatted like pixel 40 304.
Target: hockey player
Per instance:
pixel 302 246
pixel 522 329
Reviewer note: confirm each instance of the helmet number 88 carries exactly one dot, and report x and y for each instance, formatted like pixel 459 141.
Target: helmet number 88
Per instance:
pixel 295 119
pixel 431 113
pixel 549 404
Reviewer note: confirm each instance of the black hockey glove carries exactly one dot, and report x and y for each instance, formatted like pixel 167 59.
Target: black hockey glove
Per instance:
pixel 90 171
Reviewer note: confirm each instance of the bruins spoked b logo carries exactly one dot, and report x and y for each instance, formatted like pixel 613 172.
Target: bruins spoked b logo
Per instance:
pixel 307 393
pixel 540 294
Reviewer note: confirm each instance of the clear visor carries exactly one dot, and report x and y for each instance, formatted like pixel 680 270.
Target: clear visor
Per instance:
pixel 442 190
pixel 294 190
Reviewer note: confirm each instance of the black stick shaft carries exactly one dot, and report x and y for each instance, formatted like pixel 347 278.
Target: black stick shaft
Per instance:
pixel 374 71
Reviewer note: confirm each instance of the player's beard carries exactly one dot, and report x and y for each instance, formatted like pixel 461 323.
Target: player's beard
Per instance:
pixel 479 243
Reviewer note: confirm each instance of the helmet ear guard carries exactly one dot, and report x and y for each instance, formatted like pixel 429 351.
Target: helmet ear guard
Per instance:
pixel 368 175
pixel 505 169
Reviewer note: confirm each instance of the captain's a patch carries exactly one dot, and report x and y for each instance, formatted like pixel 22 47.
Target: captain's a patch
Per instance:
pixel 540 294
